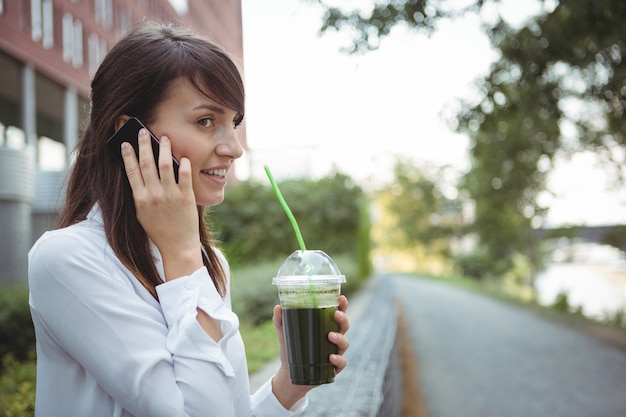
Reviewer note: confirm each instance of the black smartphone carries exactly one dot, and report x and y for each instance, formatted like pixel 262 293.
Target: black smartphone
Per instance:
pixel 128 133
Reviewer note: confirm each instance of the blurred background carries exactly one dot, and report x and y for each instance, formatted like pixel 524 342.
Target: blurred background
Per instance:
pixel 481 140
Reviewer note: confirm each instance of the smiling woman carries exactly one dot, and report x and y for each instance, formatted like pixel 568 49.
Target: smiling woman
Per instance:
pixel 130 297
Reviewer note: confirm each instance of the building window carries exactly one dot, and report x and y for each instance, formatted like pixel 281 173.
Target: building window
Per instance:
pixel 77 44
pixel 72 40
pixel 48 24
pixel 104 13
pixel 97 50
pixel 68 37
pixel 126 22
pixel 35 19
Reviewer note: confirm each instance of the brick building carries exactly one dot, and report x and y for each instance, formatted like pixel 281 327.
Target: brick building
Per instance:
pixel 49 50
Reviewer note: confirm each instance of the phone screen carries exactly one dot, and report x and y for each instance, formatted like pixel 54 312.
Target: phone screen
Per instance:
pixel 128 133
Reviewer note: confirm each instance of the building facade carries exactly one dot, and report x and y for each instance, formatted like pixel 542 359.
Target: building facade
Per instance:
pixel 49 50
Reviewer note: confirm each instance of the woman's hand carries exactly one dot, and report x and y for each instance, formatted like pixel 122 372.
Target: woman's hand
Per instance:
pixel 286 392
pixel 166 210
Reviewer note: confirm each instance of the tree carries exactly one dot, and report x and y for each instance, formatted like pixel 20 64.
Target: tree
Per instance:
pixel 558 88
pixel 415 217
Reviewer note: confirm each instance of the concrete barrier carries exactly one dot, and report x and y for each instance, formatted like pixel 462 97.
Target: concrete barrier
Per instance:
pixel 371 383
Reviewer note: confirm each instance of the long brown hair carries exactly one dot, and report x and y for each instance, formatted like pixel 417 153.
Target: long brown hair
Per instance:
pixel 133 78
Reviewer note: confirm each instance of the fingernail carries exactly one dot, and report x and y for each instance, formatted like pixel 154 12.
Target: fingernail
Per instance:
pixel 143 132
pixel 164 139
pixel 333 336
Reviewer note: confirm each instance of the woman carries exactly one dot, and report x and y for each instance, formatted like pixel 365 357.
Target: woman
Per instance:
pixel 129 297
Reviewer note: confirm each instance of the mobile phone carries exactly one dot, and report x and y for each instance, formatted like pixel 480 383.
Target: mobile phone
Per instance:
pixel 128 133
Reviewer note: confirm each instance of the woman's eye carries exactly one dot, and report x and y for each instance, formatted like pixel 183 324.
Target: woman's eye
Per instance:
pixel 205 122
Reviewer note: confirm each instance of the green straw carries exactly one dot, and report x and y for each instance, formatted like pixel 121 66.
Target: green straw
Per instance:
pixel 283 203
pixel 294 224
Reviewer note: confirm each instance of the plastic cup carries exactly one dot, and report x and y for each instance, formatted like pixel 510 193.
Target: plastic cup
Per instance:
pixel 309 285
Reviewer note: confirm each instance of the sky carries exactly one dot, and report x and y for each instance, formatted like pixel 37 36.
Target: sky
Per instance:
pixel 312 108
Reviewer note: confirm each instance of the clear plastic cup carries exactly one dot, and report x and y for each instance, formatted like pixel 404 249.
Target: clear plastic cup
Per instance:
pixel 309 285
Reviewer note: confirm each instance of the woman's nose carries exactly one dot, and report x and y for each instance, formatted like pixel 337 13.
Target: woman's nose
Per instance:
pixel 229 145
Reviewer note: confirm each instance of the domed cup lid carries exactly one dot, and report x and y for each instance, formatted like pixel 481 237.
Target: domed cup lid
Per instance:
pixel 308 267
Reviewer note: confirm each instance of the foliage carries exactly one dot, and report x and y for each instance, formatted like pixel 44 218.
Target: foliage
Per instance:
pixel 562 61
pixel 17 352
pixel 561 302
pixel 251 224
pixel 557 88
pixel 415 217
pixel 17 386
pixel 370 26
pixel 17 336
pixel 616 237
pixel 475 265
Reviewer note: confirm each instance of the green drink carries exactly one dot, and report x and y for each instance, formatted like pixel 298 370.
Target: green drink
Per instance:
pixel 309 285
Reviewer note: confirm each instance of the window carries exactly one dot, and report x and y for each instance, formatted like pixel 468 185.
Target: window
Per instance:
pixel 72 40
pixel 77 44
pixel 35 19
pixel 104 13
pixel 97 49
pixel 126 22
pixel 68 37
pixel 48 24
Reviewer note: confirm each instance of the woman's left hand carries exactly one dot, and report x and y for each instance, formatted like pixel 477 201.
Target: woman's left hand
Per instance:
pixel 286 392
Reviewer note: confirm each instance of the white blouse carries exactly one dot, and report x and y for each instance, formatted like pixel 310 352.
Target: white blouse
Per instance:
pixel 107 348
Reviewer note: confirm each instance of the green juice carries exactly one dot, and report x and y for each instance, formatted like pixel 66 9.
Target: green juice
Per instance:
pixel 308 349
pixel 309 285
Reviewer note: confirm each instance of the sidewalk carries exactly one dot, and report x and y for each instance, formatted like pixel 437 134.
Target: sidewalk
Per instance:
pixel 482 357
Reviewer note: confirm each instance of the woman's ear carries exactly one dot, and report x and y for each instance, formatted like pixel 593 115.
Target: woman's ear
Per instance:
pixel 120 121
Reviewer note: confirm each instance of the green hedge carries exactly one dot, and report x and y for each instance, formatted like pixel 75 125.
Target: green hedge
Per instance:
pixel 17 353
pixel 17 336
pixel 332 214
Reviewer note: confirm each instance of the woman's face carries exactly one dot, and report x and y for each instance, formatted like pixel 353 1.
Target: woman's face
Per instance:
pixel 202 131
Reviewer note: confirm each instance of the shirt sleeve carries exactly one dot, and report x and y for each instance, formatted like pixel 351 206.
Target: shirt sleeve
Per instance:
pixel 151 367
pixel 265 404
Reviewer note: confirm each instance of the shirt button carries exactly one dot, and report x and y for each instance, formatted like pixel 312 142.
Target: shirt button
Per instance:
pixel 190 285
pixel 204 301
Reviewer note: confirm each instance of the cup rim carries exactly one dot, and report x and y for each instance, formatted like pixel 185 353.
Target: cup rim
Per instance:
pixel 308 280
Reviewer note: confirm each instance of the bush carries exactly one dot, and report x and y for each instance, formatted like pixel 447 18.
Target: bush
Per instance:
pixel 251 225
pixel 17 336
pixel 474 265
pixel 561 302
pixel 17 386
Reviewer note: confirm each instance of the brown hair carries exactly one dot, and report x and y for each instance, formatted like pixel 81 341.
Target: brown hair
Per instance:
pixel 133 78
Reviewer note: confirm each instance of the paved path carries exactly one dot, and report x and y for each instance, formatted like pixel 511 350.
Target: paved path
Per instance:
pixel 480 357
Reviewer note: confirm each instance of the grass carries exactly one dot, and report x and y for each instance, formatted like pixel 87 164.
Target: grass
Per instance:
pixel 261 344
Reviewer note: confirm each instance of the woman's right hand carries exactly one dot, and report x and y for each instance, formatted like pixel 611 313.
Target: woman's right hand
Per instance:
pixel 165 209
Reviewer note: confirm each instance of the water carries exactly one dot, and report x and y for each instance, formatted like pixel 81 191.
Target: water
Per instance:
pixel 592 275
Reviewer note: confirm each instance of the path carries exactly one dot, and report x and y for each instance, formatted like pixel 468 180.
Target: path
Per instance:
pixel 481 357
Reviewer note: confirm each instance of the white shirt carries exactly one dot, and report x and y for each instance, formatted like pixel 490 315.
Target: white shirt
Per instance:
pixel 107 348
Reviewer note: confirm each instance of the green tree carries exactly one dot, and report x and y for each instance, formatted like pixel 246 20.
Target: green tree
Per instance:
pixel 414 216
pixel 558 88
